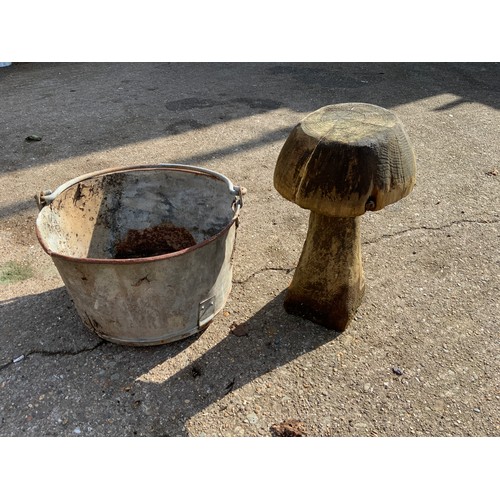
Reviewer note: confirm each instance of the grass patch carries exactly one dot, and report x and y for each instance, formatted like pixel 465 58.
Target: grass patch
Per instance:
pixel 12 272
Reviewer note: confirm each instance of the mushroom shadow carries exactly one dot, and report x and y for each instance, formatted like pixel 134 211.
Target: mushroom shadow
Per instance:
pixel 266 341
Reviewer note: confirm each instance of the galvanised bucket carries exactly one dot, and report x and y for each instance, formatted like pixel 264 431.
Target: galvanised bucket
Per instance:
pixel 131 284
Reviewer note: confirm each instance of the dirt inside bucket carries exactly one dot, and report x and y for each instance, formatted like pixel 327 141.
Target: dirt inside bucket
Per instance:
pixel 149 242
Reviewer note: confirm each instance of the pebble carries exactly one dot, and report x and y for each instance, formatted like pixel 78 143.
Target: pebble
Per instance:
pixel 477 410
pixel 252 418
pixel 360 425
pixel 146 409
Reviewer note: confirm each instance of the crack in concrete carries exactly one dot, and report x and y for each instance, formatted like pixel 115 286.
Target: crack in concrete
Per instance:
pixel 51 353
pixel 429 228
pixel 376 240
pixel 263 270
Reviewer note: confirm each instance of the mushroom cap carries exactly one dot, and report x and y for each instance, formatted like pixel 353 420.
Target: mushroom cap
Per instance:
pixel 344 159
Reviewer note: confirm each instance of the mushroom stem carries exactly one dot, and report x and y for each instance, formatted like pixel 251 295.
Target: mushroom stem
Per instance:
pixel 328 283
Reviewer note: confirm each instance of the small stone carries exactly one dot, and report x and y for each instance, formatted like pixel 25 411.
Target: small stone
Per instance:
pixel 252 418
pixel 238 330
pixel 397 371
pixel 77 430
pixel 33 138
pixel 477 410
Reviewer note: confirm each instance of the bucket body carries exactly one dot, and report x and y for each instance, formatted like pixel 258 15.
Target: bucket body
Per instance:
pixel 142 299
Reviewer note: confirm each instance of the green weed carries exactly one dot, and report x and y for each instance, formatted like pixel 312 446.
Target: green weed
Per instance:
pixel 12 272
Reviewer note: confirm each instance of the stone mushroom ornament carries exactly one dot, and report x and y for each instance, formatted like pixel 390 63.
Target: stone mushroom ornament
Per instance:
pixel 339 162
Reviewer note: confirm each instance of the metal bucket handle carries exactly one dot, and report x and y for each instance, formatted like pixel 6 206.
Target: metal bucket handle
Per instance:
pixel 46 197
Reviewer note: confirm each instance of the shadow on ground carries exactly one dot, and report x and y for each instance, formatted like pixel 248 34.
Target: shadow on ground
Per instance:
pixel 121 103
pixel 81 108
pixel 113 381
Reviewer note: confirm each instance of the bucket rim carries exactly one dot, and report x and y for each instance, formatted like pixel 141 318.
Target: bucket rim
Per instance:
pixel 139 260
pixel 177 167
pixel 46 197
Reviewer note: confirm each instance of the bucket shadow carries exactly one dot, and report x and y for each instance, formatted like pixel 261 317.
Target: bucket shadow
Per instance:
pixel 47 324
pixel 268 340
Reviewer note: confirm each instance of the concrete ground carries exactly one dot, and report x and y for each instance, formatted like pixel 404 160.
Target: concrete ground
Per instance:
pixel 420 358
